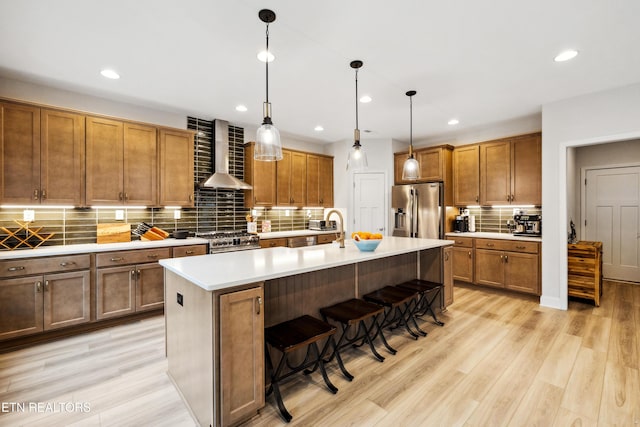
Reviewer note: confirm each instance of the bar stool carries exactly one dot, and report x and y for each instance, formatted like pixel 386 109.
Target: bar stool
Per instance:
pixel 399 308
pixel 429 292
pixel 356 312
pixel 292 335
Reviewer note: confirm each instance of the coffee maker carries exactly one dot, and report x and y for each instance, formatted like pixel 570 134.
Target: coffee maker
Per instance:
pixel 461 223
pixel 528 225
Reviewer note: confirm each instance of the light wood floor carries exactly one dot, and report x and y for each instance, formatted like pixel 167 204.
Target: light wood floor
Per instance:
pixel 500 359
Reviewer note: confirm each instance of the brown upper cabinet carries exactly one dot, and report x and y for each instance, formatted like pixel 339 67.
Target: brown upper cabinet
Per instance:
pixel 299 179
pixel 121 163
pixel 42 155
pixel 466 175
pixel 291 181
pixel 319 180
pixel 176 168
pixel 435 166
pixel 262 177
pixel 511 171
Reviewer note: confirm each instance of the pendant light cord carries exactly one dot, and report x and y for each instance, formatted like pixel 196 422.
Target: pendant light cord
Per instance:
pixel 356 98
pixel 411 122
pixel 267 63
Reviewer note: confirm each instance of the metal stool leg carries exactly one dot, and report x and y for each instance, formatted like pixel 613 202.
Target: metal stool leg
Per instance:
pixel 329 384
pixel 274 383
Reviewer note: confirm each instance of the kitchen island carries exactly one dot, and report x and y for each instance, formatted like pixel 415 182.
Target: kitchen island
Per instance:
pixel 218 305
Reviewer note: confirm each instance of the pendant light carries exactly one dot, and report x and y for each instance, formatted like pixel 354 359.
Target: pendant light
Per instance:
pixel 268 146
pixel 411 168
pixel 357 159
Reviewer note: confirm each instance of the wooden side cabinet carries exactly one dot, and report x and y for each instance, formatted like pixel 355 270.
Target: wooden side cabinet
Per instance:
pixel 241 355
pixel 319 181
pixel 462 255
pixel 585 270
pixel 262 177
pixel 448 275
pixel 291 179
pixel 176 168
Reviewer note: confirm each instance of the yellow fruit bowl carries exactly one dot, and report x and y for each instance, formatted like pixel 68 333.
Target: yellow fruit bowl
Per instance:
pixel 367 245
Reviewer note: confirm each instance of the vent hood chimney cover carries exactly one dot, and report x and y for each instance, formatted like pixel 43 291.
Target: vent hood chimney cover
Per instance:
pixel 221 177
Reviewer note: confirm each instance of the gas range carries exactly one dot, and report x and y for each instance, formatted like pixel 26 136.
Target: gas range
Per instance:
pixel 229 241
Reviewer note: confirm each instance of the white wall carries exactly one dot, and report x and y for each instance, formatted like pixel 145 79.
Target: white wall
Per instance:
pixel 46 95
pixel 380 159
pixel 585 120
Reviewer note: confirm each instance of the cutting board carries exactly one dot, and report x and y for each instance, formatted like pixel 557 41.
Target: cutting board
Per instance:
pixel 113 233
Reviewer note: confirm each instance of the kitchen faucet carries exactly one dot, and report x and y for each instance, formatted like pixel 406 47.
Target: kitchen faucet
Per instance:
pixel 340 238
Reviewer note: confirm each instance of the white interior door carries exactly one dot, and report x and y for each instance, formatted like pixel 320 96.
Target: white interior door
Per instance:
pixel 612 201
pixel 369 202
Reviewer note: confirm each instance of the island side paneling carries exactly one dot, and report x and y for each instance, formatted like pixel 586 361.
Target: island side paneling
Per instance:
pixel 375 274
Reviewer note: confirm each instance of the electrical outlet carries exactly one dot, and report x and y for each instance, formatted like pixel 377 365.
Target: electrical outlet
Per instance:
pixel 28 215
pixel 179 298
pixel 119 214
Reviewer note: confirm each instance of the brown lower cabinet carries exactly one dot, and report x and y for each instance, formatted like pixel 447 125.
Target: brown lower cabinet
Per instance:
pixel 447 279
pixel 43 302
pixel 508 264
pixel 43 294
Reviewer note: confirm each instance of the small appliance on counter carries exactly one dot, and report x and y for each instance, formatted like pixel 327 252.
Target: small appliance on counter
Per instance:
pixel 322 225
pixel 528 225
pixel 461 224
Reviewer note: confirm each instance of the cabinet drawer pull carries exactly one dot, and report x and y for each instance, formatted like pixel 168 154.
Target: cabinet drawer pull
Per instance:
pixel 18 268
pixel 38 287
pixel 153 256
pixel 458 242
pixel 67 263
pixel 521 247
pixel 490 245
pixel 190 252
pixel 259 303
pixel 117 259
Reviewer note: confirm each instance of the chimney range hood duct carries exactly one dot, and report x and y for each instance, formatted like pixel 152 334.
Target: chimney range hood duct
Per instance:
pixel 221 177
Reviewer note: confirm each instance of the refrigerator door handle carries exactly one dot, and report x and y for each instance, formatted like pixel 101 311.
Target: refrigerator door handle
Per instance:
pixel 414 214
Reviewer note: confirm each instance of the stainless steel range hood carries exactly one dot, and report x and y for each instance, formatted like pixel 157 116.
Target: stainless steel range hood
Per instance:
pixel 221 177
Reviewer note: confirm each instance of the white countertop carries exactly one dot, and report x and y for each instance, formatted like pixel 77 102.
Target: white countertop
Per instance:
pixel 294 233
pixel 504 236
pixel 95 247
pixel 219 271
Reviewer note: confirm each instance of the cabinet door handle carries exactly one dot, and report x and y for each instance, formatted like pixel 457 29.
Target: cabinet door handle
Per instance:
pixel 44 194
pixel 36 194
pixel 501 258
pixel 120 196
pixel 446 257
pixel 469 254
pixel 18 268
pixel 508 198
pixel 38 287
pixel 258 303
pixel 133 274
pixel 506 258
pixel 117 259
pixel 138 274
pixel 67 263
pixel 477 198
pixel 191 197
pixel 126 197
pixel 46 285
pixel 513 197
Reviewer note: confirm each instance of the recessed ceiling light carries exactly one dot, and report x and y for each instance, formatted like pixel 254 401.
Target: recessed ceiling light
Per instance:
pixel 365 99
pixel 453 122
pixel 110 74
pixel 262 56
pixel 318 128
pixel 566 55
pixel 241 108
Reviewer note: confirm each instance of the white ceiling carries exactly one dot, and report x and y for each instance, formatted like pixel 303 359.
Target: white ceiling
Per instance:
pixel 479 61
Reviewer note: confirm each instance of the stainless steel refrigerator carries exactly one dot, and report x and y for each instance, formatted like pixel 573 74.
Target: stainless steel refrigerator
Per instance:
pixel 418 210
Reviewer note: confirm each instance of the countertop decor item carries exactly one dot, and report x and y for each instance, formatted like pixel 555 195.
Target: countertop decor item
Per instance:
pixel 268 145
pixel 411 168
pixel 357 159
pixel 113 233
pixel 32 236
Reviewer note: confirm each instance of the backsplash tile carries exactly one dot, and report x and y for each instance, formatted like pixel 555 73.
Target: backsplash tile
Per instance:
pixel 494 220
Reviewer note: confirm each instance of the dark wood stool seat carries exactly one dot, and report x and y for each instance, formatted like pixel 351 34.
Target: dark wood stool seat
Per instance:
pixel 429 292
pixel 400 305
pixel 355 312
pixel 292 335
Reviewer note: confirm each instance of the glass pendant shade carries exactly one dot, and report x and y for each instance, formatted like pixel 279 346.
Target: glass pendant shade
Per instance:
pixel 410 170
pixel 268 146
pixel 411 167
pixel 357 158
